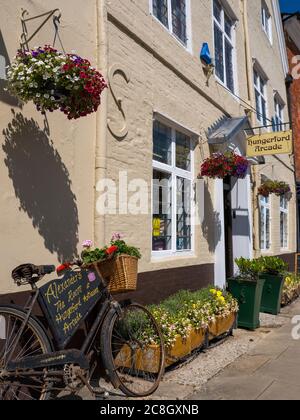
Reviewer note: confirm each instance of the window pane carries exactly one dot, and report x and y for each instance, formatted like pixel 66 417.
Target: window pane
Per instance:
pixel 258 108
pixel 160 10
pixel 162 141
pixel 162 211
pixel 256 79
pixel 229 66
pixel 183 214
pixel 262 85
pixel 262 227
pixel 179 19
pixel 183 151
pixel 219 55
pixel 217 11
pixel 267 228
pixel 228 26
pixel 264 111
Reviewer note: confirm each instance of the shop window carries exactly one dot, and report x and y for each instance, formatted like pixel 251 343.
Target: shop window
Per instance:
pixel 224 35
pixel 284 222
pixel 172 190
pixel 265 223
pixel 260 86
pixel 173 15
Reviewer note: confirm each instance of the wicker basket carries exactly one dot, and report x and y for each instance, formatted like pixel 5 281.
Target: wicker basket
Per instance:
pixel 121 273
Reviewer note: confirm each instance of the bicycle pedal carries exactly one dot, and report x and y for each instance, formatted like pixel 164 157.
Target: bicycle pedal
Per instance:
pixel 100 392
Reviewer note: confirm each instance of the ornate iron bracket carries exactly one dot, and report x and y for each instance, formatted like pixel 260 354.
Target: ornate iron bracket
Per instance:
pixel 25 38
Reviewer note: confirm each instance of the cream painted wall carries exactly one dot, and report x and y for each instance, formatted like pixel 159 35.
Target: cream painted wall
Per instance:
pixel 47 180
pixel 166 77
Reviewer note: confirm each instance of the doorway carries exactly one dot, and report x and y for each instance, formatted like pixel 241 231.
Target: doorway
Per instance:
pixel 229 267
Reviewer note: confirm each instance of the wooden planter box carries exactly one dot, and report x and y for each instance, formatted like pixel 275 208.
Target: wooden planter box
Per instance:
pixel 221 326
pixel 148 360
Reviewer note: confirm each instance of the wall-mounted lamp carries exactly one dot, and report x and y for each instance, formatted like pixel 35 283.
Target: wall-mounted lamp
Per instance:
pixel 208 65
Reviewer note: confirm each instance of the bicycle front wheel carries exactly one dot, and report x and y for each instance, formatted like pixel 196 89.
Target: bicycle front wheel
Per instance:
pixel 15 346
pixel 132 350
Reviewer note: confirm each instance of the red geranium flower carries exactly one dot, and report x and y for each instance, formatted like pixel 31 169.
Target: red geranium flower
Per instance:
pixel 112 250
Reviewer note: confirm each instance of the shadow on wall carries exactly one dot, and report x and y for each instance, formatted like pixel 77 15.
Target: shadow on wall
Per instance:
pixel 4 61
pixel 211 222
pixel 42 184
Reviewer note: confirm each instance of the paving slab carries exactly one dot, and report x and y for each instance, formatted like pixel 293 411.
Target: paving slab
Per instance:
pixel 281 391
pixel 243 387
pixel 282 370
pixel 246 365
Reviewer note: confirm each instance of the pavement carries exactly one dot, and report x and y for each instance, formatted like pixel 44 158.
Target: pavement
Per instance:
pixel 270 371
pixel 253 365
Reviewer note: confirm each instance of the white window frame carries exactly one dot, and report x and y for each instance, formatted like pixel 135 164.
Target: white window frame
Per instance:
pixel 266 20
pixel 279 113
pixel 262 95
pixel 232 41
pixel 285 211
pixel 169 28
pixel 175 173
pixel 264 205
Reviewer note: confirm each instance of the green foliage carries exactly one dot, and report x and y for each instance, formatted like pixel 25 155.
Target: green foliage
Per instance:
pixel 185 310
pixel 249 269
pixel 123 248
pixel 90 256
pixel 273 265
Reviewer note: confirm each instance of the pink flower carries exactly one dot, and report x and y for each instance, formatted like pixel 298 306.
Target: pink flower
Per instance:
pixel 87 244
pixel 117 236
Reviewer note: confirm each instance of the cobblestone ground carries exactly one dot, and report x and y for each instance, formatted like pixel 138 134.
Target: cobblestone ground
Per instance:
pixel 242 367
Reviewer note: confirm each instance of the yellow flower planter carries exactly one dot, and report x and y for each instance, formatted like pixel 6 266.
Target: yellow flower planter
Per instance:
pixel 147 360
pixel 221 326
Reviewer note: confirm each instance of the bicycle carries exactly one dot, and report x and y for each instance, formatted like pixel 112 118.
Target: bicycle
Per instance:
pixel 38 357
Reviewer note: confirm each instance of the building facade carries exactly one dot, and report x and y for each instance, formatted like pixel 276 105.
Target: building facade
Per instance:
pixel 134 166
pixel 291 25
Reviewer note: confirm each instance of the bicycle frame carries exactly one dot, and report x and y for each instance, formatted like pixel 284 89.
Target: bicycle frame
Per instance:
pixel 107 303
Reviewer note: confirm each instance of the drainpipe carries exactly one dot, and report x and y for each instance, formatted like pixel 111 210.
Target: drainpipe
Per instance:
pixel 252 103
pixel 101 118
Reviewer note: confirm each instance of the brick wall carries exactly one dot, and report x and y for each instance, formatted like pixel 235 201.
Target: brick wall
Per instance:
pixel 295 92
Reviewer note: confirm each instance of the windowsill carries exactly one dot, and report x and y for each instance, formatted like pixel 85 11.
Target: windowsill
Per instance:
pixel 186 46
pixel 171 256
pixel 266 252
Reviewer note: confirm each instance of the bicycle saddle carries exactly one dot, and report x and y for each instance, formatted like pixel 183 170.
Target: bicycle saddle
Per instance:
pixel 30 273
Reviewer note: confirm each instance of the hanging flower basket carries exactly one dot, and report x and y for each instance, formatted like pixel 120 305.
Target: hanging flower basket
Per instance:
pixel 274 187
pixel 56 81
pixel 219 166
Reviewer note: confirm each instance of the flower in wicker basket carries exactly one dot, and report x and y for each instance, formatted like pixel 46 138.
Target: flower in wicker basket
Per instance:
pixel 117 263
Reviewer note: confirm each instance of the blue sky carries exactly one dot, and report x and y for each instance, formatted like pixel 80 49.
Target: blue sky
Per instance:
pixel 290 6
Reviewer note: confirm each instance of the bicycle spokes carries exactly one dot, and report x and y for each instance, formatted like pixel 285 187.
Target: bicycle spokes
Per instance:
pixel 15 346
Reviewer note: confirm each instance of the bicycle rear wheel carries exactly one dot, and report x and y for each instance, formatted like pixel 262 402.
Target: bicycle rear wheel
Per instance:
pixel 134 364
pixel 32 342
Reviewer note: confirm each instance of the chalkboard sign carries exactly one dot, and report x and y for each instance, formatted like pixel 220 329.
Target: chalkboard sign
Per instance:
pixel 68 301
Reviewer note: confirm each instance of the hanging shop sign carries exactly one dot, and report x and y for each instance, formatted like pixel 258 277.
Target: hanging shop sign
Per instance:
pixel 270 144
